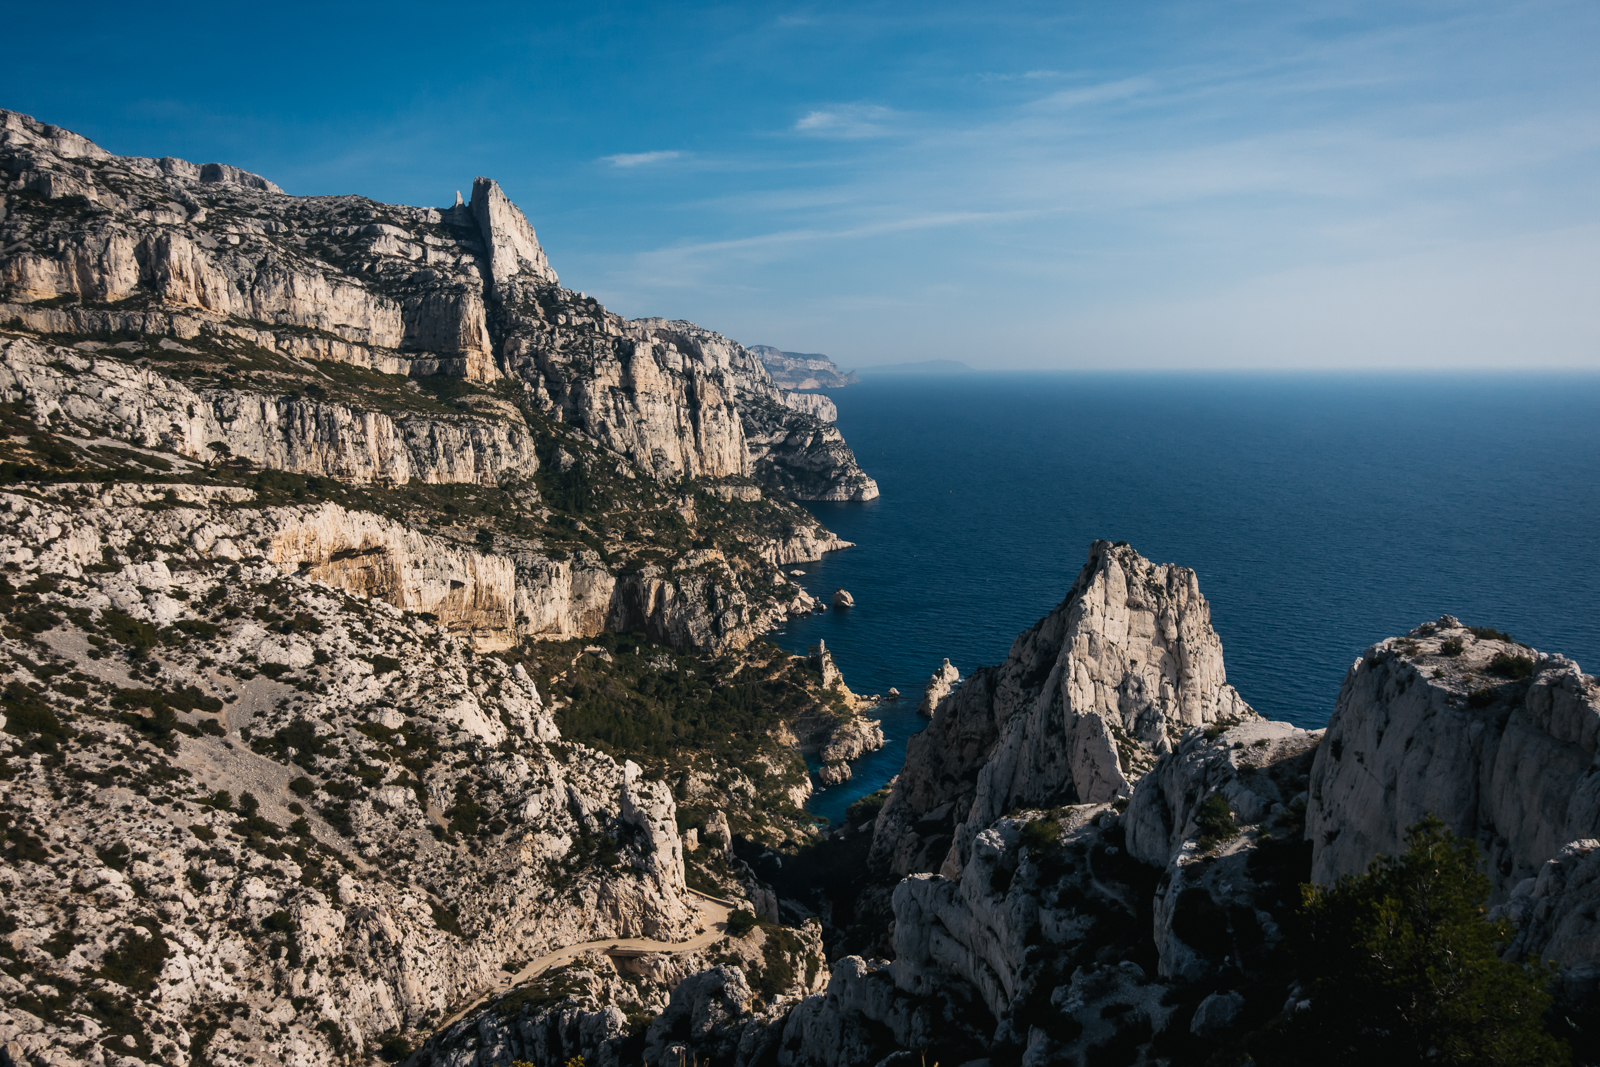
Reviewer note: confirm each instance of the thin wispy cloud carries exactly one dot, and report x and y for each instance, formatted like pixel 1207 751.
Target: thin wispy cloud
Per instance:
pixel 847 121
pixel 1098 94
pixel 629 160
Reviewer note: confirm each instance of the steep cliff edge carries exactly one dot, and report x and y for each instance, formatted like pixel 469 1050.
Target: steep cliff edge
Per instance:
pixel 96 243
pixel 1495 738
pixel 1086 701
pixel 803 370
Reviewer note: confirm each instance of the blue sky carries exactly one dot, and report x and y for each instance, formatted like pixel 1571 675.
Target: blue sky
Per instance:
pixel 1131 185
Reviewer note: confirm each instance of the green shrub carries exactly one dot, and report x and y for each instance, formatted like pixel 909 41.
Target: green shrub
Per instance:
pixel 279 922
pixel 138 961
pixel 1214 819
pixel 1040 834
pixel 741 922
pixel 1452 647
pixel 1513 667
pixel 1480 698
pixel 1489 633
pixel 1403 968
pixel 128 630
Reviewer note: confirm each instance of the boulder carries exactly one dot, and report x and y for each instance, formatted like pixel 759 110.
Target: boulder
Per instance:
pixel 940 683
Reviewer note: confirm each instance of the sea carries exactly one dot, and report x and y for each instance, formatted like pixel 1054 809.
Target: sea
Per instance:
pixel 1322 514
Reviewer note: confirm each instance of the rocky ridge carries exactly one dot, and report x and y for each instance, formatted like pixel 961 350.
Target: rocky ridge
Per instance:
pixel 99 243
pixel 802 370
pixel 1497 739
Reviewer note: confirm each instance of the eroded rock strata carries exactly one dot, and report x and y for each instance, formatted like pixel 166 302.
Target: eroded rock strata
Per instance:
pixel 381 678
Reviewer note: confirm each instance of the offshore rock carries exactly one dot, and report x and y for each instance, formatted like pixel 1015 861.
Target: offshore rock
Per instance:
pixel 1495 738
pixel 842 599
pixel 1086 701
pixel 940 683
pixel 852 739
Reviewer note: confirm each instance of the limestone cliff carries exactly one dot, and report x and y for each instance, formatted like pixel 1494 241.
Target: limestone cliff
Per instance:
pixel 95 243
pixel 803 370
pixel 1495 738
pixel 1085 702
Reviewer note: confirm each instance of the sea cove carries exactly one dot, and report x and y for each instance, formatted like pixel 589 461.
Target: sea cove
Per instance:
pixel 1321 513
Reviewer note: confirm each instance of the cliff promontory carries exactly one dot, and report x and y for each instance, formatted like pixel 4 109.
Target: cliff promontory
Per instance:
pixel 1086 701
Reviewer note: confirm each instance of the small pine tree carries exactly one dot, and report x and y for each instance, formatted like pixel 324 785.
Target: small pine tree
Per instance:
pixel 1402 968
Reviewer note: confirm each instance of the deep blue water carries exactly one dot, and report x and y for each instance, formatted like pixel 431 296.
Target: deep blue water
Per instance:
pixel 1321 513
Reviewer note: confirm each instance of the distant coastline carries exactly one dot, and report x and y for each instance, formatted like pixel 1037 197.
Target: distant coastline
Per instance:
pixel 923 367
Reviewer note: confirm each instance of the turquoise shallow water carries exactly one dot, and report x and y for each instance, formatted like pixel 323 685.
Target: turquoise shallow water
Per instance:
pixel 1322 514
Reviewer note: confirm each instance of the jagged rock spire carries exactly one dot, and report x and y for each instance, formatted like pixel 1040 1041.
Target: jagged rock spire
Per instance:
pixel 512 245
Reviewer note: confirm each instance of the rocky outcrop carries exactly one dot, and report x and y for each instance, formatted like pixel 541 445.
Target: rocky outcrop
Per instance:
pixel 802 370
pixel 940 684
pixel 852 739
pixel 814 404
pixel 792 451
pixel 1495 738
pixel 1087 700
pixel 1218 863
pixel 847 741
pixel 843 599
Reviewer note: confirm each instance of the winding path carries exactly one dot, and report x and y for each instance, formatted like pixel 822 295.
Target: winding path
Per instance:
pixel 715 911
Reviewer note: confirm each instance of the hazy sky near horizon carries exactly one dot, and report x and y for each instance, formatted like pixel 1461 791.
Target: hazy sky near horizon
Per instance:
pixel 1077 185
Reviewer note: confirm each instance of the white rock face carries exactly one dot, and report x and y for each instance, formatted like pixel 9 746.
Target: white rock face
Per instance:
pixel 1554 912
pixel 1086 701
pixel 1509 763
pixel 814 404
pixel 1240 764
pixel 513 247
pixel 940 683
pixel 277 432
pixel 802 370
pixel 215 253
pixel 322 896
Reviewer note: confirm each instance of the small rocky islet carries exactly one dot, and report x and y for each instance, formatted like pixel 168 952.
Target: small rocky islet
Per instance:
pixel 382 618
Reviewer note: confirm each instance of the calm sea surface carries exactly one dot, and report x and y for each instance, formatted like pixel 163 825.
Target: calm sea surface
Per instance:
pixel 1321 513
